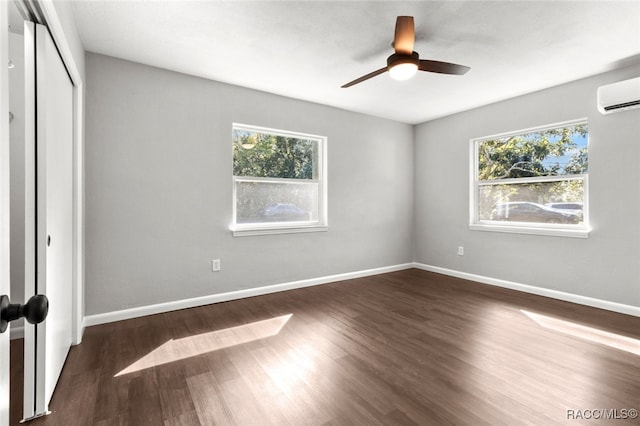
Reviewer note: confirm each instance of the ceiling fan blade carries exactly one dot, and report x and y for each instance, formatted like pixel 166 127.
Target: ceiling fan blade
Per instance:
pixel 405 35
pixel 364 77
pixel 442 67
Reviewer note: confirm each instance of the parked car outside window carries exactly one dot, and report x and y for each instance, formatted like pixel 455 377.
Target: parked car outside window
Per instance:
pixel 284 212
pixel 565 206
pixel 524 211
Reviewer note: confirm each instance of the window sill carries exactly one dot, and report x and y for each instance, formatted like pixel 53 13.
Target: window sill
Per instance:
pixel 578 232
pixel 245 231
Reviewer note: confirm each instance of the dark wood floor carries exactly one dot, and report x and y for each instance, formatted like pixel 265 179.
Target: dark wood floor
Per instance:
pixel 404 348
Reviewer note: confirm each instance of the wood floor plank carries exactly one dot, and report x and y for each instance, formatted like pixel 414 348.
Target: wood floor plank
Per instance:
pixel 185 419
pixel 292 381
pixel 210 407
pixel 404 348
pixel 280 411
pixel 243 405
pixel 144 402
pixel 173 391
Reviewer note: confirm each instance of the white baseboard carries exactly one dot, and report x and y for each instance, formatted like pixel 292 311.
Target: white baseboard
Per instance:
pixel 240 294
pixel 232 295
pixel 554 294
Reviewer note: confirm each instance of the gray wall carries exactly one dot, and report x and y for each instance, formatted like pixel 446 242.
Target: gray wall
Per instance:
pixel 159 189
pixel 158 192
pixel 604 266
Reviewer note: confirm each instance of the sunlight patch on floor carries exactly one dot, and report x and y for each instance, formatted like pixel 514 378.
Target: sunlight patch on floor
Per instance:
pixel 187 347
pixel 591 334
pixel 293 370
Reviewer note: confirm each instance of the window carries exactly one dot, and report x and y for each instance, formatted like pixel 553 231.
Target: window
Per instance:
pixel 532 181
pixel 279 181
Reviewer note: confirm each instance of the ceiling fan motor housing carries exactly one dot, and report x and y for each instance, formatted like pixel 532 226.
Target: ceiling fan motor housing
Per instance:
pixel 397 59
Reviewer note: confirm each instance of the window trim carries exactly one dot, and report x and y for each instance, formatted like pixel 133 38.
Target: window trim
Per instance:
pixel 320 225
pixel 549 229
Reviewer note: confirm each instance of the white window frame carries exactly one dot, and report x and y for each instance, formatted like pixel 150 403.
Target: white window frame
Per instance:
pixel 266 228
pixel 551 229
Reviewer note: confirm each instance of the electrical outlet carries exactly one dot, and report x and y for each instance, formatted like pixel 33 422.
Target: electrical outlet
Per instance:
pixel 215 265
pixel 460 251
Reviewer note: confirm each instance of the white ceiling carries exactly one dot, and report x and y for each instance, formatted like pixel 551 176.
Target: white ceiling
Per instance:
pixel 308 49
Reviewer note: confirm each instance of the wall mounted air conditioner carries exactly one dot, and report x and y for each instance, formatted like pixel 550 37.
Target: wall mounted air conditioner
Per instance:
pixel 620 96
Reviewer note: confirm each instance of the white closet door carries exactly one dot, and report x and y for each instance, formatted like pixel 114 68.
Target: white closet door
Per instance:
pixel 49 214
pixel 4 206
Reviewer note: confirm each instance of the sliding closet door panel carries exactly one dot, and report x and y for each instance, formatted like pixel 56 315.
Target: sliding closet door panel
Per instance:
pixel 53 233
pixel 55 134
pixel 4 207
pixel 30 213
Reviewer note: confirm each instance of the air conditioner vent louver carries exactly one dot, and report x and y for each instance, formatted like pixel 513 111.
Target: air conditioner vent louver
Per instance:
pixel 620 96
pixel 622 106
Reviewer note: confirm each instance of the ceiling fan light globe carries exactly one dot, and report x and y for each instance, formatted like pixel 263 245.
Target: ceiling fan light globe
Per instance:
pixel 403 71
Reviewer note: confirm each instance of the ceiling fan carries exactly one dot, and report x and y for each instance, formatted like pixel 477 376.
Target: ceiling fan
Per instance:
pixel 404 63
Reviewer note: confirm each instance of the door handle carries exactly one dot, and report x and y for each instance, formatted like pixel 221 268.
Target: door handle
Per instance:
pixel 34 311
